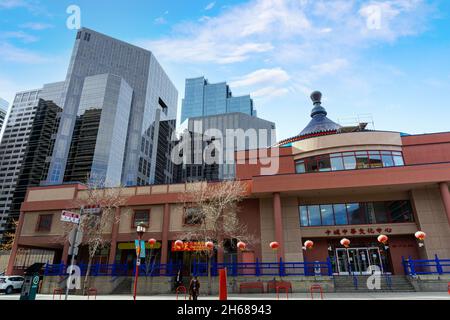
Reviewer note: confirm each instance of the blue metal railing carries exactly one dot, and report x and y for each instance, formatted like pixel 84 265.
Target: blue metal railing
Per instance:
pixel 432 266
pixel 256 268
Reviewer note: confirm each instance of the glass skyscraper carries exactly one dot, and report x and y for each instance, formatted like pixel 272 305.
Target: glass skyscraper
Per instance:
pixel 129 78
pixel 205 99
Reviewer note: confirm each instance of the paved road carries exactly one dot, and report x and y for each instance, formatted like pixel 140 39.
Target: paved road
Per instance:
pixel 295 296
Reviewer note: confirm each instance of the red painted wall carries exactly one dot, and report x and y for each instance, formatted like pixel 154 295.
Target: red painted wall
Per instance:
pixel 426 148
pixel 402 246
pixel 247 170
pixel 249 215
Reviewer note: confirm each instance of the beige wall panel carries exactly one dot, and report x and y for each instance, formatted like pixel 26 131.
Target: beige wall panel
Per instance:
pixel 51 194
pixel 432 219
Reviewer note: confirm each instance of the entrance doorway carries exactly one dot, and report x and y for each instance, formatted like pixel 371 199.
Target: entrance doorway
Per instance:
pixel 358 260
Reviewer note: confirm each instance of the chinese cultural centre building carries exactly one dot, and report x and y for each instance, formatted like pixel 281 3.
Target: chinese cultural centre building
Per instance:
pixel 331 182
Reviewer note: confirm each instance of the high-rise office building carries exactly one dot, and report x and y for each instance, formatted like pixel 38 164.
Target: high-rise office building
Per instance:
pixel 3 112
pixel 202 98
pixel 15 141
pixel 220 136
pixel 39 147
pixel 98 143
pixel 139 78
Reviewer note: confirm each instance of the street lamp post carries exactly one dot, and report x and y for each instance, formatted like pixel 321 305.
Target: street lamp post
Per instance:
pixel 140 230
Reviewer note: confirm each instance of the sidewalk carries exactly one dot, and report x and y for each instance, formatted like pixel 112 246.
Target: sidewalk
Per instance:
pixel 294 296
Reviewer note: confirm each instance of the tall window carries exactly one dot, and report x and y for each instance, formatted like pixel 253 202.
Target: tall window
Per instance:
pixel 141 216
pixel 193 216
pixel 356 213
pixel 350 161
pixel 44 222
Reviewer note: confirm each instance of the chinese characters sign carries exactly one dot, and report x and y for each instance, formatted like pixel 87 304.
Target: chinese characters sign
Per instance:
pixel 357 231
pixel 190 246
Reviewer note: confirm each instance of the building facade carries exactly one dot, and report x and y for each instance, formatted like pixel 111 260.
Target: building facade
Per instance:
pixel 218 137
pixel 15 141
pixel 202 98
pixel 331 182
pixel 98 57
pixel 3 112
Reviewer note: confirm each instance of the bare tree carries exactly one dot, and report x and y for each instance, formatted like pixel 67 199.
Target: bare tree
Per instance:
pixel 96 225
pixel 213 212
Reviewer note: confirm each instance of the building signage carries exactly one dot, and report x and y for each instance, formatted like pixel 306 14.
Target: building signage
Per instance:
pixel 132 246
pixel 69 216
pixel 94 209
pixel 190 246
pixel 357 231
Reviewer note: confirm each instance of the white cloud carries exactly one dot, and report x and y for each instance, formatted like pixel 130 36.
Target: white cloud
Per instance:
pixel 19 35
pixel 210 6
pixel 11 53
pixel 10 4
pixel 36 26
pixel 261 76
pixel 269 92
pixel 330 67
pixel 160 20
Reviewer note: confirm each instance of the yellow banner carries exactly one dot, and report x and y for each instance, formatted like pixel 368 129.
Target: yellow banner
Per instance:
pixel 130 246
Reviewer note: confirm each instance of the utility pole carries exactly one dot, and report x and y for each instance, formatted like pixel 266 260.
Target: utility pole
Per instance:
pixel 72 251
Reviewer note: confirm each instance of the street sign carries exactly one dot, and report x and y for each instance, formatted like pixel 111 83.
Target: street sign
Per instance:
pixel 94 209
pixel 69 216
pixel 79 238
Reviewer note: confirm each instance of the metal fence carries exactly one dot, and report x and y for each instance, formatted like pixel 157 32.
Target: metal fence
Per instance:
pixel 257 268
pixel 418 267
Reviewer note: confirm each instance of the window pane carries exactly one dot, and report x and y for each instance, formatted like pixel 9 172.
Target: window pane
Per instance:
pixel 398 160
pixel 333 155
pixel 375 159
pixel 337 164
pixel 387 161
pixel 300 167
pixel 324 163
pixel 381 215
pixel 354 215
pixel 311 165
pixel 349 163
pixel 314 215
pixel 340 214
pixel 327 214
pixel 400 211
pixel 141 216
pixel 369 212
pixel 303 216
pixel 362 160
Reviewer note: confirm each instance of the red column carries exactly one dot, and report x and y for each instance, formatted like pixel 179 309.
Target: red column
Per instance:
pixel 445 194
pixel 15 247
pixel 114 232
pixel 165 233
pixel 278 225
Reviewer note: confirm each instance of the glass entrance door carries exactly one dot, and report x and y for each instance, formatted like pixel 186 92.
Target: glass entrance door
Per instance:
pixel 357 260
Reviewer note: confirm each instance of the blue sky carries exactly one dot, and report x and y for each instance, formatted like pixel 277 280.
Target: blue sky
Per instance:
pixel 390 59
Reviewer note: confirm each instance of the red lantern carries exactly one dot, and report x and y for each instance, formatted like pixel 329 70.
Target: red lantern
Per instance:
pixel 382 238
pixel 308 244
pixel 179 244
pixel 345 242
pixel 274 245
pixel 241 245
pixel 420 235
pixel 209 245
pixel 151 242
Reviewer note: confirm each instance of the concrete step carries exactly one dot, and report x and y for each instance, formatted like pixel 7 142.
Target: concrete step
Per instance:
pixel 397 284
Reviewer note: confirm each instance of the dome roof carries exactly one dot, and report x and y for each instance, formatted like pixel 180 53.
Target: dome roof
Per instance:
pixel 319 121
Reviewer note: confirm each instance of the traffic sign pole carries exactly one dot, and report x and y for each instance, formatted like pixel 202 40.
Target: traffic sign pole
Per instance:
pixel 72 252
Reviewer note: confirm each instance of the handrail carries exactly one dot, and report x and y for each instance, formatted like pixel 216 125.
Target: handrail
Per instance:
pixel 413 267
